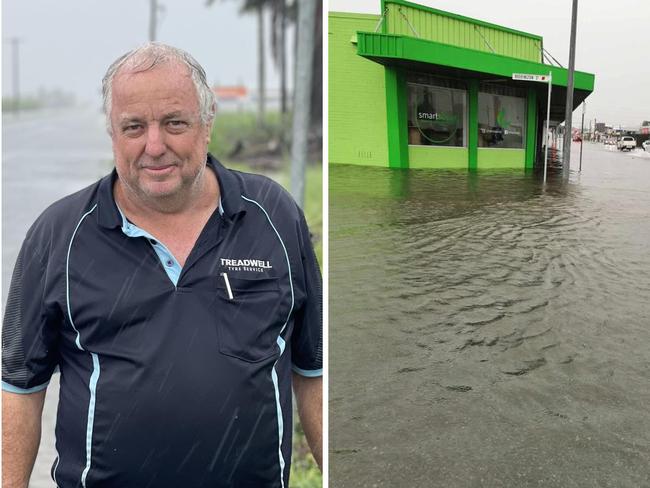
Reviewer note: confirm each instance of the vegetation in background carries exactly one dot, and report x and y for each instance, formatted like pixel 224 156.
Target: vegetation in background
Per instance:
pixel 229 130
pixel 235 134
pixel 44 98
pixel 13 105
pixel 304 470
pixel 284 14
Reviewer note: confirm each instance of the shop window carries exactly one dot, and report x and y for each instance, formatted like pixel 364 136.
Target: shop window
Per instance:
pixel 436 112
pixel 501 117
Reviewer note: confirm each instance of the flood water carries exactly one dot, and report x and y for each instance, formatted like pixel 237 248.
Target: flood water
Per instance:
pixel 489 331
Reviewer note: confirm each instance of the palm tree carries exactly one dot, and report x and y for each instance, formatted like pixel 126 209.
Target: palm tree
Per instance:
pixel 257 6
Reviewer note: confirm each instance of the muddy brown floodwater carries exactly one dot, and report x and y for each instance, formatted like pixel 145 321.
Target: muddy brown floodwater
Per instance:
pixel 489 331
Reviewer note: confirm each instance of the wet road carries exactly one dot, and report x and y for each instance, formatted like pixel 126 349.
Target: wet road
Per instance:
pixel 46 156
pixel 486 331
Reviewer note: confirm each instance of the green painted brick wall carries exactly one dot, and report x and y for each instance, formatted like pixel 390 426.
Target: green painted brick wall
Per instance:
pixel 438 26
pixel 356 96
pixel 438 157
pixel 489 158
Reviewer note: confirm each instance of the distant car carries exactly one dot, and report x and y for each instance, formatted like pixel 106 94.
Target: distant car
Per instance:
pixel 626 143
pixel 609 141
pixel 646 145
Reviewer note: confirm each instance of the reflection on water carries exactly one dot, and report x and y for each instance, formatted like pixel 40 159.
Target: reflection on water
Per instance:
pixel 488 331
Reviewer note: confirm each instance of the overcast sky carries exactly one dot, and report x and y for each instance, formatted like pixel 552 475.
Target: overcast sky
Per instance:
pixel 70 43
pixel 613 42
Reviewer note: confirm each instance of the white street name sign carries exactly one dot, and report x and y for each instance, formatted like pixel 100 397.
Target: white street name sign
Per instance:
pixel 527 77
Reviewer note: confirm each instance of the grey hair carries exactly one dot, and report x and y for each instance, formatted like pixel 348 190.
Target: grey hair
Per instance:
pixel 148 57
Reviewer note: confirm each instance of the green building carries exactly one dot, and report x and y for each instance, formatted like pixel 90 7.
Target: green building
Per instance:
pixel 417 87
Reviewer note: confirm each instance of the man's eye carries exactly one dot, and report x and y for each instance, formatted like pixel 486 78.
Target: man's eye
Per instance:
pixel 177 123
pixel 131 128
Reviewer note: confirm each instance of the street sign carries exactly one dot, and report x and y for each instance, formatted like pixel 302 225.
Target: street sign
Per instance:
pixel 527 77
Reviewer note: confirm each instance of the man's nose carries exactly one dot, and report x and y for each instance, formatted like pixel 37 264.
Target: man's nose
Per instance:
pixel 155 146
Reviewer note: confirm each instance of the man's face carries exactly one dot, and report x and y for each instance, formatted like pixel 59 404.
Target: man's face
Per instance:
pixel 159 141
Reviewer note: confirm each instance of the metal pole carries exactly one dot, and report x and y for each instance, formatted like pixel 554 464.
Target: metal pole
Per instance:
pixel 153 21
pixel 302 98
pixel 16 72
pixel 261 75
pixel 283 58
pixel 582 132
pixel 566 156
pixel 548 118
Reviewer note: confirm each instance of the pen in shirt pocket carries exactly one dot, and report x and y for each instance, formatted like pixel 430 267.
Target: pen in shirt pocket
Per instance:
pixel 227 282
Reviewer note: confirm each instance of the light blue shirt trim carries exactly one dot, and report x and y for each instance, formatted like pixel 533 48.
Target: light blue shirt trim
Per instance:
pixel 308 373
pixel 67 277
pixel 92 385
pixel 169 263
pixel 23 391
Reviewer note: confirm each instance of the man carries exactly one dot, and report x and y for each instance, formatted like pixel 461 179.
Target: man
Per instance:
pixel 176 297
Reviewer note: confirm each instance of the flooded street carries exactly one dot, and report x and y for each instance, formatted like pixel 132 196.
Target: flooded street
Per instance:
pixel 46 156
pixel 487 331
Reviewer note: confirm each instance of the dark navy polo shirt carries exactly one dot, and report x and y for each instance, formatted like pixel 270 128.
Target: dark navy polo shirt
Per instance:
pixel 170 377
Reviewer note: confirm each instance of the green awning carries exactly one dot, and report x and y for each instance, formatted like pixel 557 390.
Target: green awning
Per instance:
pixel 429 56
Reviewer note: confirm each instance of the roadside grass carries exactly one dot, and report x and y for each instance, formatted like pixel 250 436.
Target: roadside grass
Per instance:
pixel 230 127
pixel 227 130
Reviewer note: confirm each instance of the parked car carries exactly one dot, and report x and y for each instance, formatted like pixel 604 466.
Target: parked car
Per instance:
pixel 626 143
pixel 646 145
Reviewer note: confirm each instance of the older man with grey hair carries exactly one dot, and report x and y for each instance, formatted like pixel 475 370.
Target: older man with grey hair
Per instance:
pixel 180 301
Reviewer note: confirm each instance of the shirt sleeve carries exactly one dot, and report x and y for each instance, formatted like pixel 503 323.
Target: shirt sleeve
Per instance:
pixel 307 338
pixel 30 327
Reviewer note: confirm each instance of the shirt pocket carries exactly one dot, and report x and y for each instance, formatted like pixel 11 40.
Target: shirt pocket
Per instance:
pixel 249 317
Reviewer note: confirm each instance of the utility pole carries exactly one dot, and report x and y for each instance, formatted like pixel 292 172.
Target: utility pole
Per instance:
pixel 302 98
pixel 582 132
pixel 261 96
pixel 15 69
pixel 153 19
pixel 283 57
pixel 566 154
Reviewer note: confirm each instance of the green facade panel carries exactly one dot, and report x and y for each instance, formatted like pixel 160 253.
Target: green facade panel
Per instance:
pixel 489 158
pixel 396 118
pixel 472 125
pixel 437 157
pixel 408 19
pixel 357 122
pixel 531 129
pixel 386 47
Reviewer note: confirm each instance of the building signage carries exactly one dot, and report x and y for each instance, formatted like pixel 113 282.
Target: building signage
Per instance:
pixel 442 117
pixel 428 116
pixel 499 131
pixel 527 77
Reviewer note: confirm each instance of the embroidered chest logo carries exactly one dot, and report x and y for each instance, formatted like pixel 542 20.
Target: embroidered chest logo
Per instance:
pixel 255 265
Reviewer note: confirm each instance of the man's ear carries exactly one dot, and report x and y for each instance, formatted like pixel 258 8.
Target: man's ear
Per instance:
pixel 211 123
pixel 208 133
